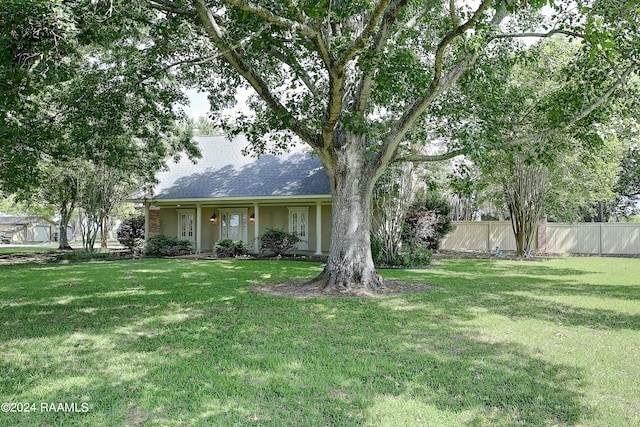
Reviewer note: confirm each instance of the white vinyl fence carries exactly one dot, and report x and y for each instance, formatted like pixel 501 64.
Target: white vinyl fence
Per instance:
pixel 553 238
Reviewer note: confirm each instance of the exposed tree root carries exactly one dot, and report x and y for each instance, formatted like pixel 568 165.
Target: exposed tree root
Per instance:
pixel 348 284
pixel 301 289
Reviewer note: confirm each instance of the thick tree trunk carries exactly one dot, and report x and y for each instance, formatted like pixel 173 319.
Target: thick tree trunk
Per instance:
pixel 65 216
pixel 350 268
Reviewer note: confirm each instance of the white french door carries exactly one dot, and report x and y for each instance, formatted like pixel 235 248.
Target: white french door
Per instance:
pixel 299 225
pixel 233 224
pixel 186 225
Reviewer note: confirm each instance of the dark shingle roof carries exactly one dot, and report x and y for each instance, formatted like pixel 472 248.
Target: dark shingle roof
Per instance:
pixel 18 220
pixel 224 172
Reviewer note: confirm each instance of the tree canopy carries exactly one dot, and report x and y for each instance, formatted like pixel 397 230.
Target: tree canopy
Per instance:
pixel 79 85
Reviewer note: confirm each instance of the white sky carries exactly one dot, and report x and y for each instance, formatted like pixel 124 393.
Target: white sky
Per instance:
pixel 199 104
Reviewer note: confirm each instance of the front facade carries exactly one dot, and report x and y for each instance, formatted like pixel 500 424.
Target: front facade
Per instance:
pixel 229 195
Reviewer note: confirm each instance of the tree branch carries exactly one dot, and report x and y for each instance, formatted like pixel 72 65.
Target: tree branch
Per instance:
pixel 620 81
pixel 411 23
pixel 362 39
pixel 287 58
pixel 452 13
pixel 296 26
pixel 538 35
pixel 366 81
pixel 449 37
pixel 430 158
pixel 273 18
pixel 439 85
pixel 172 7
pixel 251 76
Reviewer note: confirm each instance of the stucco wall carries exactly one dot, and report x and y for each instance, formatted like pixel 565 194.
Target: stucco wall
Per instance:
pixel 169 222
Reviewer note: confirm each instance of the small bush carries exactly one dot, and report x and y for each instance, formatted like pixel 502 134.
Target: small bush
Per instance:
pixel 131 233
pixel 227 248
pixel 412 254
pixel 162 245
pixel 278 241
pixel 427 221
pixel 377 252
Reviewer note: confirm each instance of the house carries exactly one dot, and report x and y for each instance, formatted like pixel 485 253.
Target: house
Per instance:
pixel 19 229
pixel 226 194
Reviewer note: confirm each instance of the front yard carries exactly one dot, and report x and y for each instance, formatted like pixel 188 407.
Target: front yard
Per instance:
pixel 185 342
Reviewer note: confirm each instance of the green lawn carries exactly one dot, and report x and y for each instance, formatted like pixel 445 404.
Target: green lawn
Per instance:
pixel 180 342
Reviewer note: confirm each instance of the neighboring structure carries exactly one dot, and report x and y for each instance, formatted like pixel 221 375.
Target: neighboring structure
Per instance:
pixel 226 194
pixel 20 229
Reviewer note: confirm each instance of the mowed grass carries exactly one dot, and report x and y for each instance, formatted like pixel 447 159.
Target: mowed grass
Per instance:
pixel 184 342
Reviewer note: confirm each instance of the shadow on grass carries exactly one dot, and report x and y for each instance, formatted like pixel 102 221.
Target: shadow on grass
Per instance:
pixel 192 346
pixel 520 290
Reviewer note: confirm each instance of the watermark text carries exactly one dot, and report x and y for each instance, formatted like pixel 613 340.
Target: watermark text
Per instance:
pixel 63 407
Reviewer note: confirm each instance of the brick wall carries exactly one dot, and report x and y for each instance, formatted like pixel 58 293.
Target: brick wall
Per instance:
pixel 154 221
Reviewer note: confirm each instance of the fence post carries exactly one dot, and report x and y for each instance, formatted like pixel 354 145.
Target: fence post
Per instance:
pixel 600 241
pixel 489 247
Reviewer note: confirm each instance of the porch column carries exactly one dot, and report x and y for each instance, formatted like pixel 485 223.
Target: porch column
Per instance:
pixel 256 227
pixel 318 229
pixel 198 228
pixel 147 220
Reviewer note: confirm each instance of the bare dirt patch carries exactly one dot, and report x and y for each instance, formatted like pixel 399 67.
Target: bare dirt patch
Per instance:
pixel 301 289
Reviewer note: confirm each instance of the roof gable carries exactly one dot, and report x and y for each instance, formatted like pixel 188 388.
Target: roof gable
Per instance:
pixel 224 172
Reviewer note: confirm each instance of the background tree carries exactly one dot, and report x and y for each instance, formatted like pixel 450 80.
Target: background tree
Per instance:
pixel 101 189
pixel 83 87
pixel 204 126
pixel 526 186
pixel 628 185
pixel 10 205
pixel 392 196
pixel 62 191
pixel 465 185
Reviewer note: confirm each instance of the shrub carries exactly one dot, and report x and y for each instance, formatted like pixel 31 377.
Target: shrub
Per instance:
pixel 427 221
pixel 162 245
pixel 411 255
pixel 131 232
pixel 278 241
pixel 227 248
pixel 377 252
pixel 414 255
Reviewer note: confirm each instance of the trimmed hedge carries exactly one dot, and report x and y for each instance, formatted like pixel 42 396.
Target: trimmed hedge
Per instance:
pixel 162 245
pixel 278 241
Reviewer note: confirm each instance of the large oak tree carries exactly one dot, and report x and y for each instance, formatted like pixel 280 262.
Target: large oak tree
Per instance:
pixel 356 80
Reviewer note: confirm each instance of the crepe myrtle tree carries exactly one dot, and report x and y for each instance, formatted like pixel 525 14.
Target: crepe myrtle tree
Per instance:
pixel 357 80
